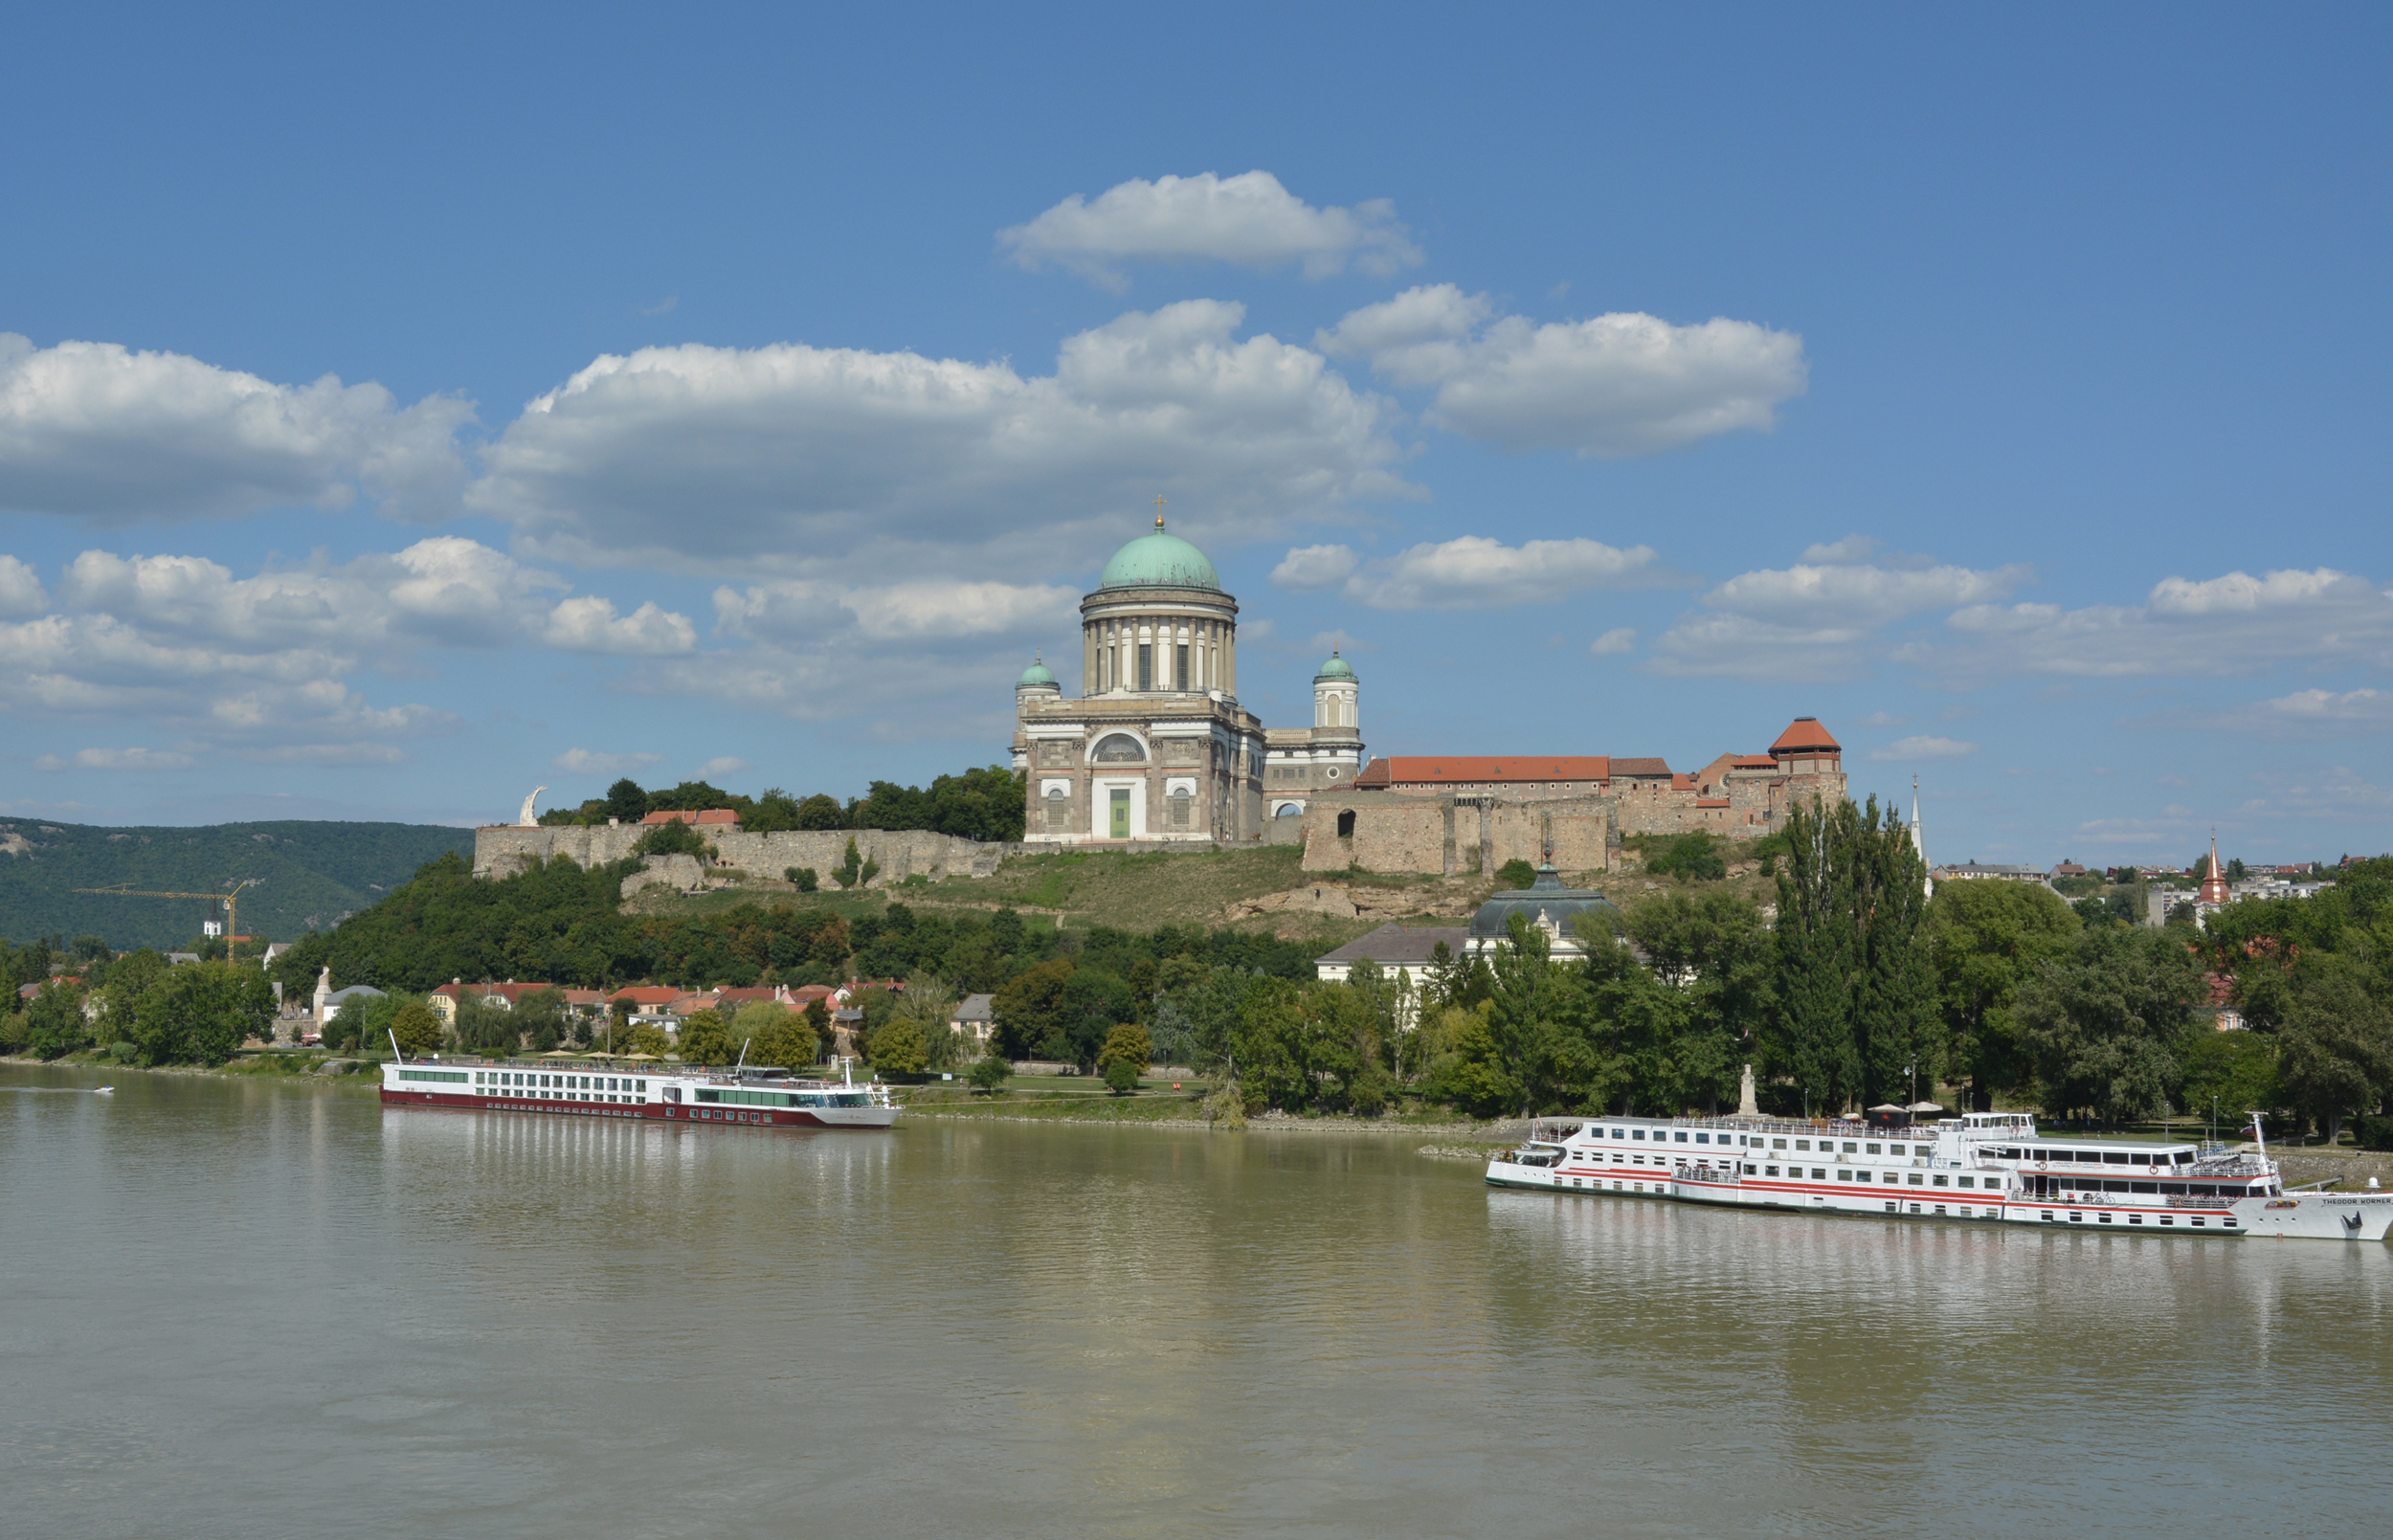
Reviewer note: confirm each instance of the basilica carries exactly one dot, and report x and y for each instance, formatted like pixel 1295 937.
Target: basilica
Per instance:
pixel 1156 749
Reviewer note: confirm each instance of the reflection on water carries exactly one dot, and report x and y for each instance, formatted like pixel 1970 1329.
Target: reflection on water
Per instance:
pixel 238 1308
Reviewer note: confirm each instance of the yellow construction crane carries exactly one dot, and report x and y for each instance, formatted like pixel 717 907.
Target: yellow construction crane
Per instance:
pixel 232 930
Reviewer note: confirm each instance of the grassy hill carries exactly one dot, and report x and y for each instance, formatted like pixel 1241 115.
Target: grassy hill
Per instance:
pixel 309 875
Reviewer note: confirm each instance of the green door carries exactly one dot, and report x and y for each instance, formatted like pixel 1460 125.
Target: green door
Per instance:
pixel 1122 813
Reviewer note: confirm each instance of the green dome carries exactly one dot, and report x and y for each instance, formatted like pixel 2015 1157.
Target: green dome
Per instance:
pixel 1336 668
pixel 1159 561
pixel 1037 674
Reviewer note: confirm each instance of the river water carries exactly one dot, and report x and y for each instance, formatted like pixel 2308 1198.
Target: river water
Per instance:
pixel 230 1309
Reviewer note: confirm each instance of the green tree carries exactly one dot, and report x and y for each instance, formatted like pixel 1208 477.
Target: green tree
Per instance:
pixel 1121 1077
pixel 1817 953
pixel 820 813
pixel 671 840
pixel 1028 1011
pixel 625 800
pixel 644 1038
pixel 775 809
pixel 2227 1074
pixel 2107 1024
pixel 1986 940
pixel 1695 855
pixel 1127 1042
pixel 1539 1018
pixel 854 870
pixel 898 1049
pixel 1715 951
pixel 2335 1053
pixel 416 1028
pixel 198 1014
pixel 486 1025
pixel 990 1072
pixel 705 1039
pixel 819 1016
pixel 53 1022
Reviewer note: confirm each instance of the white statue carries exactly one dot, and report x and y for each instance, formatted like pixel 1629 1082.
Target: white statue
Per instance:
pixel 1746 1105
pixel 525 819
pixel 324 994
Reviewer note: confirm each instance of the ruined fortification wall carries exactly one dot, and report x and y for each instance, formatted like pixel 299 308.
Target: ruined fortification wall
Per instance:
pixel 504 850
pixel 1452 835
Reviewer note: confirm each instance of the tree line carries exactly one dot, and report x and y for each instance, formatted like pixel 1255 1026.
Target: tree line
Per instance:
pixel 1852 988
pixel 978 804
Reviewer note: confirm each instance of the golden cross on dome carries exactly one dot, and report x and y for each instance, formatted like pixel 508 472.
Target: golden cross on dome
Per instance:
pixel 1158 510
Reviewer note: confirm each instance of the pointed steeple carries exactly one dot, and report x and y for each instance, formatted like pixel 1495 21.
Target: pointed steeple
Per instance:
pixel 2213 888
pixel 1919 846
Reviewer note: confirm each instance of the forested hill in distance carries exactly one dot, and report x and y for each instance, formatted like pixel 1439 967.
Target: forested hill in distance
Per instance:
pixel 310 873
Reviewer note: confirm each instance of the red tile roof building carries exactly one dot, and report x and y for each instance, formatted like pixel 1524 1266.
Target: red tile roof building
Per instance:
pixel 1739 796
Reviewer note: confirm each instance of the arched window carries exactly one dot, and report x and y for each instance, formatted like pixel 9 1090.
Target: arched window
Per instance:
pixel 1120 748
pixel 1346 823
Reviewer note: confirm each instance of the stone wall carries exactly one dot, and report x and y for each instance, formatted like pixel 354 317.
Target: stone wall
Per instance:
pixel 1453 836
pixel 504 850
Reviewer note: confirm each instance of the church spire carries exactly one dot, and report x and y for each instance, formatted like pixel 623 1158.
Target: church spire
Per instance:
pixel 1919 847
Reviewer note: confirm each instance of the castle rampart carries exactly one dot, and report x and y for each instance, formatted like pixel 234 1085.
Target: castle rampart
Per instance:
pixel 504 850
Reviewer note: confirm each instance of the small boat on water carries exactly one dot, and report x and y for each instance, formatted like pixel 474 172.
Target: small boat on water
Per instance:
pixel 103 1090
pixel 1981 1167
pixel 739 1097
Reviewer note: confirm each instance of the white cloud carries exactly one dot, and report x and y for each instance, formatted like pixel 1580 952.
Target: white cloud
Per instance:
pixel 588 624
pixel 104 433
pixel 582 762
pixel 727 765
pixel 1613 385
pixel 259 667
pixel 21 592
pixel 1248 220
pixel 2235 624
pixel 822 462
pixel 2373 708
pixel 1474 572
pixel 1309 568
pixel 925 611
pixel 118 759
pixel 1813 622
pixel 1924 748
pixel 1613 643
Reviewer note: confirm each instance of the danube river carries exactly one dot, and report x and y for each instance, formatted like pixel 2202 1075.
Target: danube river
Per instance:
pixel 274 1310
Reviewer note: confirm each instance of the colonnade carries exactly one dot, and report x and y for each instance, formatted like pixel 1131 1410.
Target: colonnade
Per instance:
pixel 1159 653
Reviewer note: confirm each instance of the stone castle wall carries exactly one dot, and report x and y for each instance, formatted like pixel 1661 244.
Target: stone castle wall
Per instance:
pixel 1454 836
pixel 504 850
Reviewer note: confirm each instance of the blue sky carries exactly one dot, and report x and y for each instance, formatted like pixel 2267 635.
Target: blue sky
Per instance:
pixel 398 412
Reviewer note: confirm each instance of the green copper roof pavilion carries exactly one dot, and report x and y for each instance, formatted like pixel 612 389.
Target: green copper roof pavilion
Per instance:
pixel 1159 561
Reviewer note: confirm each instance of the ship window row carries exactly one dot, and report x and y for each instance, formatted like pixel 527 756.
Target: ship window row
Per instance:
pixel 1826 1145
pixel 2103 1157
pixel 562 1082
pixel 2096 1184
pixel 456 1075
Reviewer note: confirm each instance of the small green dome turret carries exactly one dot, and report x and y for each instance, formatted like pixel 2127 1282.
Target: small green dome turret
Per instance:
pixel 1336 668
pixel 1038 677
pixel 1159 561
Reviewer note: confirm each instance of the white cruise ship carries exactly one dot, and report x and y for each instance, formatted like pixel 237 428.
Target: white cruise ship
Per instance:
pixel 1983 1167
pixel 685 1094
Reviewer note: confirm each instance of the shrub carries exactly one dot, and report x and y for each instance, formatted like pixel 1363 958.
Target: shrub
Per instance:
pixel 1694 856
pixel 990 1074
pixel 670 839
pixel 899 1049
pixel 1515 874
pixel 2374 1133
pixel 1121 1077
pixel 804 877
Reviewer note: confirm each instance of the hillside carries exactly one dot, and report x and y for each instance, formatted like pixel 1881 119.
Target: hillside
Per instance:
pixel 309 875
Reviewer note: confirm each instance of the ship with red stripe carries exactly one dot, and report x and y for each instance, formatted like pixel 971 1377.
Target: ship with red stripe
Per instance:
pixel 1981 1167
